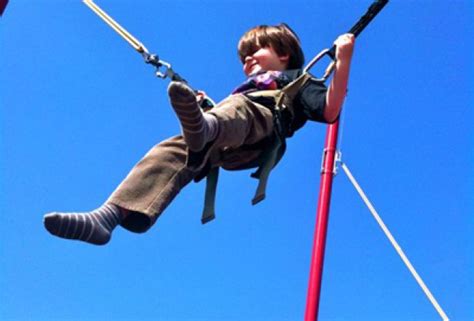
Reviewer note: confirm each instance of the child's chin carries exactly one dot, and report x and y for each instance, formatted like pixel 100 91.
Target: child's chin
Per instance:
pixel 255 71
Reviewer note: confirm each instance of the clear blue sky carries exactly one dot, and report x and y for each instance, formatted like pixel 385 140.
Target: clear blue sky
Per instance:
pixel 79 108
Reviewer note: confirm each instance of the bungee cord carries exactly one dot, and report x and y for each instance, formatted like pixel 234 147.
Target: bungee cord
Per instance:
pixel 163 68
pixel 152 59
pixel 137 45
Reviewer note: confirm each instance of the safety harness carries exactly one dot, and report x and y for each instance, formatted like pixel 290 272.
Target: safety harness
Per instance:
pixel 276 146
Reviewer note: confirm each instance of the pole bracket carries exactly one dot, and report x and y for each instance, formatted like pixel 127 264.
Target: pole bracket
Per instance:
pixel 337 161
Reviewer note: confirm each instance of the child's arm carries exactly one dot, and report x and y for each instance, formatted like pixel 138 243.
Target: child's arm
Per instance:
pixel 338 86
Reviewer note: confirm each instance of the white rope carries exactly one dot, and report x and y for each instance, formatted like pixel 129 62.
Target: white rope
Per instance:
pixel 395 244
pixel 342 119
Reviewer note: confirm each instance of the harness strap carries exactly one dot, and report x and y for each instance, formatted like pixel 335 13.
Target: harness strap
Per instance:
pixel 270 159
pixel 208 213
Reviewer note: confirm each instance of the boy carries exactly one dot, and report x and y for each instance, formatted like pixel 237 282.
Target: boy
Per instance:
pixel 230 135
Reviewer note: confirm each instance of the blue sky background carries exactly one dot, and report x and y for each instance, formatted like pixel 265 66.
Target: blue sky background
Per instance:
pixel 79 108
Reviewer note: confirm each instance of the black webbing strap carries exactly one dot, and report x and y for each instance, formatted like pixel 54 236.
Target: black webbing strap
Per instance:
pixel 208 213
pixel 270 158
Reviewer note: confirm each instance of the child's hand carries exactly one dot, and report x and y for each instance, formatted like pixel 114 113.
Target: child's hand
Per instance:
pixel 344 46
pixel 200 96
pixel 204 100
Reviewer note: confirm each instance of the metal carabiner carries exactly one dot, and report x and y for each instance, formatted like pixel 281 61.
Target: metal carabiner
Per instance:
pixel 163 68
pixel 330 67
pixel 167 72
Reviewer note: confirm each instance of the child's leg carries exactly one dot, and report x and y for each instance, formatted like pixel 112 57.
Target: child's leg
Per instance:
pixel 93 227
pixel 198 127
pixel 241 122
pixel 136 203
pixel 153 183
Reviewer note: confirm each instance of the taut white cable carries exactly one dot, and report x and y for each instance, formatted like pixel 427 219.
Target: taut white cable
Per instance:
pixel 395 244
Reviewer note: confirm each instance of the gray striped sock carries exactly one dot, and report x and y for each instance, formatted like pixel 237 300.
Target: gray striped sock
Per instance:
pixel 92 227
pixel 198 128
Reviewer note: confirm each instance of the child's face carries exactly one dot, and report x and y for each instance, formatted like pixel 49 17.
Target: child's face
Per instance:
pixel 264 59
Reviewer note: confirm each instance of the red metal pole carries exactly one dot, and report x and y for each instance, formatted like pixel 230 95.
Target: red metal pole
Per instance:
pixel 319 244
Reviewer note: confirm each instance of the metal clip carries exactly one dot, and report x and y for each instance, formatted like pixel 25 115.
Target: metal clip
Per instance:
pixel 154 60
pixel 323 157
pixel 337 160
pixel 168 72
pixel 329 68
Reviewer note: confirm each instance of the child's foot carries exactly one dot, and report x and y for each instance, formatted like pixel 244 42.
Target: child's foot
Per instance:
pixel 198 127
pixel 93 227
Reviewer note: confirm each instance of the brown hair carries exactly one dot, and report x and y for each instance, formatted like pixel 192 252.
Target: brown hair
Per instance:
pixel 280 37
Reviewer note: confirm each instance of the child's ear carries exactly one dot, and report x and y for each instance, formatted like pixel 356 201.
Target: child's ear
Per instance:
pixel 284 58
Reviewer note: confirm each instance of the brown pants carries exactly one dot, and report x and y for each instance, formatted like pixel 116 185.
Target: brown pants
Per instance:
pixel 155 181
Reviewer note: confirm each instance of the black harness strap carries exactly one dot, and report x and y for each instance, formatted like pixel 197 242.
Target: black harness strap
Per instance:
pixel 209 212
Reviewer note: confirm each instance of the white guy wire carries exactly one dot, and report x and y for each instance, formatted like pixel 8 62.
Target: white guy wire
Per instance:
pixel 395 244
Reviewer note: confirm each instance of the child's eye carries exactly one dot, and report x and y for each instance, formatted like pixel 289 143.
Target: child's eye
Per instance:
pixel 250 51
